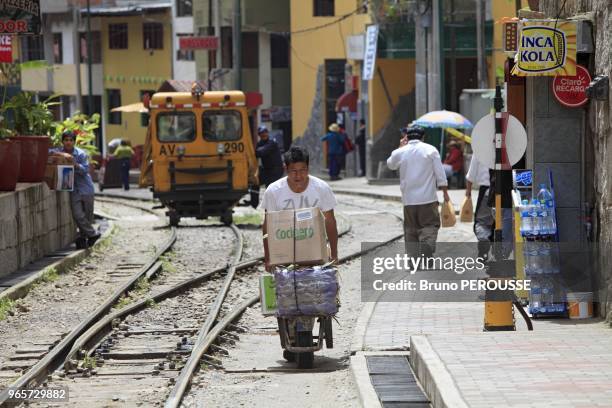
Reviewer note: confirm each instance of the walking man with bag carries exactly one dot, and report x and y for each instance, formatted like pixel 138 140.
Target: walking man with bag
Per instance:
pixel 421 174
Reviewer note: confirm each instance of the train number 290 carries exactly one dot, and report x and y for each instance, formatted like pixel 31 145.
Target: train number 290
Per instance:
pixel 234 147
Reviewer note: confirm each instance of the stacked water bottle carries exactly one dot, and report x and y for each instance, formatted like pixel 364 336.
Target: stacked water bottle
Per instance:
pixel 541 253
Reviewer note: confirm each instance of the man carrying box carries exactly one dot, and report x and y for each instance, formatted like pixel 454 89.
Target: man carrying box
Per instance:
pixel 300 190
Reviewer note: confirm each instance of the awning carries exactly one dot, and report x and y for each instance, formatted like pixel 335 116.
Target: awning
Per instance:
pixel 137 107
pixel 348 102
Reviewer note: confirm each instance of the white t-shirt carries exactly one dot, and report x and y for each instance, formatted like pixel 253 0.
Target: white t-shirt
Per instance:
pixel 278 196
pixel 478 173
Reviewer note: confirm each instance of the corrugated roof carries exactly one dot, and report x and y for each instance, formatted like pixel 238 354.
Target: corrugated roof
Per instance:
pixel 132 8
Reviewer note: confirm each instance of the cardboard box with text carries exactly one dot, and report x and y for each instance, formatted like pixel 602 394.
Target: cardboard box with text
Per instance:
pixel 297 237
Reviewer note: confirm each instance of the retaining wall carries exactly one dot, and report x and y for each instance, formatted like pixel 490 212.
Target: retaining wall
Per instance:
pixel 34 222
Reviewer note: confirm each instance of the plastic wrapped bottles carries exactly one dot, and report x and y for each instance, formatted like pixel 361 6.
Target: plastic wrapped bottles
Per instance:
pixel 547 211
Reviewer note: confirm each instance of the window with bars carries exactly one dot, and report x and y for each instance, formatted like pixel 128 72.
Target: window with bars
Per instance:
pixel 32 48
pixel 96 49
pixel 58 52
pixel 184 8
pixel 323 8
pixel 153 36
pixel 118 36
pixel 113 96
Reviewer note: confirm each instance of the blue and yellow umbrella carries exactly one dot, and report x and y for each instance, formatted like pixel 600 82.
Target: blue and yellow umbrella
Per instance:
pixel 444 119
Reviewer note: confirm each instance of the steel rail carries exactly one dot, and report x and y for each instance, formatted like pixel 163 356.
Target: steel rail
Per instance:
pixel 52 359
pixel 184 378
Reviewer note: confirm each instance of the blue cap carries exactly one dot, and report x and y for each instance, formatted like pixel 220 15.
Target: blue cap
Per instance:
pixel 261 129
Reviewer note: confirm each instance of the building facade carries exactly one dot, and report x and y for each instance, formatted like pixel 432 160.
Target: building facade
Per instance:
pixel 265 45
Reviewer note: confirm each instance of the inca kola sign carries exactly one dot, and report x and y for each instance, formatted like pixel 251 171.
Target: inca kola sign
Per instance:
pixel 546 48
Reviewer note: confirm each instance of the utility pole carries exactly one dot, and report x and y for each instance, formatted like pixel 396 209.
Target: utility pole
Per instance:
pixel 480 40
pixel 217 24
pixel 422 20
pixel 434 67
pixel 237 45
pixel 90 107
pixel 77 57
pixel 453 58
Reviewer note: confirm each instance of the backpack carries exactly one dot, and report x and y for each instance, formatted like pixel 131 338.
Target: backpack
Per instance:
pixel 348 144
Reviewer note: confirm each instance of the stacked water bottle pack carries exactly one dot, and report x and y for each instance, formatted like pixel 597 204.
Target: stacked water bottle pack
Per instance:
pixel 541 253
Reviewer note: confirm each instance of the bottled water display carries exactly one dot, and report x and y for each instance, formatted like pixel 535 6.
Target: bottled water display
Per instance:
pixel 547 211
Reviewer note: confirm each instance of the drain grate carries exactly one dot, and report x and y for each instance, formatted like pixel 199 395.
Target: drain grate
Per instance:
pixel 395 383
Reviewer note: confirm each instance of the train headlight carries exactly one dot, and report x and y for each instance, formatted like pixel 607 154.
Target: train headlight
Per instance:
pixel 220 148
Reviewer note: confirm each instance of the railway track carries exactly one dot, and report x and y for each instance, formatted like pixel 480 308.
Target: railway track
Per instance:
pixel 155 343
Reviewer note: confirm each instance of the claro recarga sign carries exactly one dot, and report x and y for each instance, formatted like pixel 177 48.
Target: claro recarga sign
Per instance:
pixel 546 48
pixel 20 17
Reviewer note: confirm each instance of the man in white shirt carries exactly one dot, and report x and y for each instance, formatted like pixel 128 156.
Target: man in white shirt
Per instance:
pixel 421 173
pixel 483 216
pixel 300 190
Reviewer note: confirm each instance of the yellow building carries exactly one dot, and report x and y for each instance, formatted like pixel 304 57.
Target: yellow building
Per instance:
pixel 321 64
pixel 137 55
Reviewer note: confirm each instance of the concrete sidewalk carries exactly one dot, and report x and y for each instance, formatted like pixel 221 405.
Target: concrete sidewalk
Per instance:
pixel 360 186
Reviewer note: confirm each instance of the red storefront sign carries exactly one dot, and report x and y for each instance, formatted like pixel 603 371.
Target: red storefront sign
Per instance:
pixel 6 48
pixel 199 43
pixel 571 90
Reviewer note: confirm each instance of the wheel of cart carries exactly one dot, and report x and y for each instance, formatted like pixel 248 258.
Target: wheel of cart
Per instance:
pixel 298 341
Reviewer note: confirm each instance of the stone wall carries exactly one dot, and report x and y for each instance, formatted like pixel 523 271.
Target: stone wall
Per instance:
pixel 34 221
pixel 311 139
pixel 599 116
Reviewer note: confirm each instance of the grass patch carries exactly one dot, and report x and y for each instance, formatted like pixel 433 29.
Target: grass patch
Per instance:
pixel 167 265
pixel 6 305
pixel 141 287
pixel 253 218
pixel 49 275
pixel 123 302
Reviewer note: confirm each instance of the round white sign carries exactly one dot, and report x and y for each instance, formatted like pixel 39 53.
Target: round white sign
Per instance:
pixel 483 140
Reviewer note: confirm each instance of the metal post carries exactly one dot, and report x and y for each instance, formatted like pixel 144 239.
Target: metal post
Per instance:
pixel 480 44
pixel 499 314
pixel 217 24
pixel 237 45
pixel 453 59
pixel 77 57
pixel 90 107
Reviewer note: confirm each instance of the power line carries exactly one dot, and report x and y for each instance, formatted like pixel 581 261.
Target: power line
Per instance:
pixel 331 23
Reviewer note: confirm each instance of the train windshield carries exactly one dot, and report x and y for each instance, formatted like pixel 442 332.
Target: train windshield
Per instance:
pixel 222 125
pixel 176 127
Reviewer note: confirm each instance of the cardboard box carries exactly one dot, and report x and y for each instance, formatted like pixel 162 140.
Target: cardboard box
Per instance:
pixel 56 159
pixel 267 292
pixel 297 237
pixel 59 158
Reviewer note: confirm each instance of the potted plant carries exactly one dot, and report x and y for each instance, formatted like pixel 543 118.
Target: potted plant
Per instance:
pixel 84 127
pixel 30 123
pixel 10 157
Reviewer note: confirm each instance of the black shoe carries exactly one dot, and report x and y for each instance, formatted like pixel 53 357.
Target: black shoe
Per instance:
pixel 92 240
pixel 81 243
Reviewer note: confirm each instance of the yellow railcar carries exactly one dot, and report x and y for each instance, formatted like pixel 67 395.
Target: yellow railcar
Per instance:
pixel 202 152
